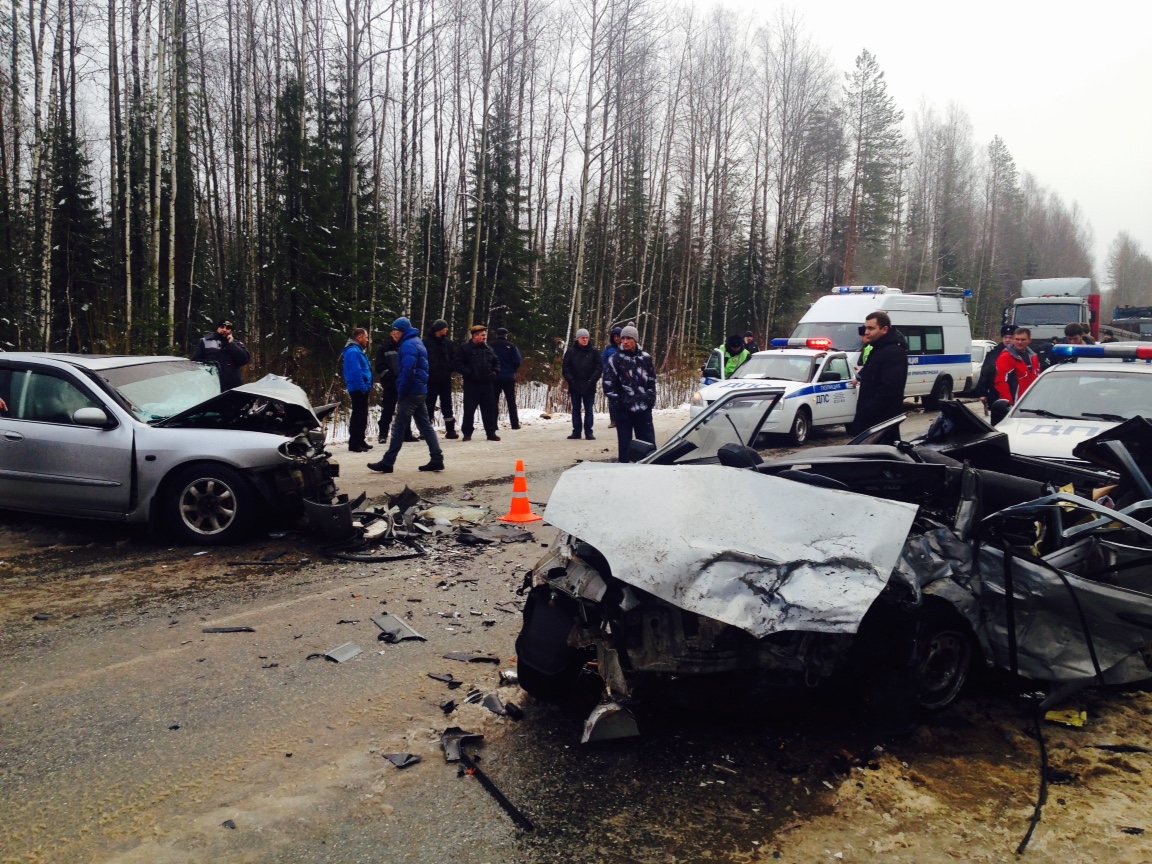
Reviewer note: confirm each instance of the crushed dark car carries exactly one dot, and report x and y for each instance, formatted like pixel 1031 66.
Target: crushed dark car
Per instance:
pixel 153 439
pixel 898 566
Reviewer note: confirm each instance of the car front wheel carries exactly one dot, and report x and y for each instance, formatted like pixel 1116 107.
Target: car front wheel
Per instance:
pixel 941 392
pixel 943 659
pixel 801 426
pixel 209 505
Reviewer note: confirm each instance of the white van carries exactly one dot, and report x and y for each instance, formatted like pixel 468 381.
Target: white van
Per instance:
pixel 935 326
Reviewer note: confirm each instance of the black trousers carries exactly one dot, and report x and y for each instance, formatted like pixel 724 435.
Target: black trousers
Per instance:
pixel 508 388
pixel 582 403
pixel 482 395
pixel 442 391
pixel 631 424
pixel 358 422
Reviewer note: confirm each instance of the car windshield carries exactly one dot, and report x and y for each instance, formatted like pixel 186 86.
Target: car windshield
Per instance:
pixel 844 336
pixel 158 390
pixel 1089 393
pixel 1045 314
pixel 735 418
pixel 779 366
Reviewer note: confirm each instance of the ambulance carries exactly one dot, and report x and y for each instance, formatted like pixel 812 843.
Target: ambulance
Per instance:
pixel 935 327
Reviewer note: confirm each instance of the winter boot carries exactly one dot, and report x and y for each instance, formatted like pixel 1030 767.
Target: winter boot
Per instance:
pixel 433 465
pixel 450 425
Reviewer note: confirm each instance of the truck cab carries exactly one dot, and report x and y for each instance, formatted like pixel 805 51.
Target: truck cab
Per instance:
pixel 1046 306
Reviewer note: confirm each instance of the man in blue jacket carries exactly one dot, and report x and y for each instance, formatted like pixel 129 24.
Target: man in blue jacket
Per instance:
pixel 412 400
pixel 510 361
pixel 358 379
pixel 612 347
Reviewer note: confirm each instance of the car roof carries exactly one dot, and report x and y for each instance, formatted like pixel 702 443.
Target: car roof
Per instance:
pixel 94 362
pixel 1139 367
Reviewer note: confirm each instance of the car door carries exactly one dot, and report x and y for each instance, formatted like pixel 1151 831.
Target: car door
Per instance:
pixel 48 462
pixel 841 405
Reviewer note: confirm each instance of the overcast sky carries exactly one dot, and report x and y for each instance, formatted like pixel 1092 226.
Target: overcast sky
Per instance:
pixel 1067 86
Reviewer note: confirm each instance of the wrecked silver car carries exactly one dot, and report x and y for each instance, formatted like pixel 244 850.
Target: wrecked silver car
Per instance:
pixel 891 567
pixel 154 439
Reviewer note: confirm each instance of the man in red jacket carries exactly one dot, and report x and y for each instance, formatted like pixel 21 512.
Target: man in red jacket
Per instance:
pixel 1017 366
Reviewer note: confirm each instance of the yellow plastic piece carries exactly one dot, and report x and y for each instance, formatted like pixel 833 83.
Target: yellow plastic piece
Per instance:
pixel 1069 717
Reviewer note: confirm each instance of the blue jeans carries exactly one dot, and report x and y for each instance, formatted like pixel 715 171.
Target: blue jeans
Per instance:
pixel 407 409
pixel 631 424
pixel 583 401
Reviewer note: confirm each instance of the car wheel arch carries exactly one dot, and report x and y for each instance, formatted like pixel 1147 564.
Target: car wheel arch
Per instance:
pixel 160 516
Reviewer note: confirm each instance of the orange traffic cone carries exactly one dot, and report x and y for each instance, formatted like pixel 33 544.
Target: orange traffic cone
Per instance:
pixel 521 507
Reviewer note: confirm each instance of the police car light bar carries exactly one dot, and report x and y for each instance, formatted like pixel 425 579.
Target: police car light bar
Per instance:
pixel 1117 350
pixel 859 289
pixel 821 342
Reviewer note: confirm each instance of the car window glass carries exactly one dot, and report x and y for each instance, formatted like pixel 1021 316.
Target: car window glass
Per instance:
pixel 45 398
pixel 156 391
pixel 977 353
pixel 845 336
pixel 1075 394
pixel 933 340
pixel 778 366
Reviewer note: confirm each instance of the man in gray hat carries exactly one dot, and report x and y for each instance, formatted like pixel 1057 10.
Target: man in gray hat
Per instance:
pixel 582 369
pixel 630 379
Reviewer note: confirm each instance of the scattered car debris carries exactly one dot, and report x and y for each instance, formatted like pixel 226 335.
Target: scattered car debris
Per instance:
pixel 348 621
pixel 1133 831
pixel 455 514
pixel 452 741
pixel 509 678
pixel 42 616
pixel 494 703
pixel 403 760
pixel 472 658
pixel 511 709
pixel 393 629
pixel 492 534
pixel 448 705
pixel 474 697
pixel 446 677
pixel 228 823
pixel 173 727
pixel 1070 717
pixel 228 630
pixel 343 652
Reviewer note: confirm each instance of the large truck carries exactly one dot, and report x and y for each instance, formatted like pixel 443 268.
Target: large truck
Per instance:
pixel 1047 306
pixel 1134 322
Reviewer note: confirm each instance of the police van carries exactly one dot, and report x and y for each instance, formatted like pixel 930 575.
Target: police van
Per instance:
pixel 935 326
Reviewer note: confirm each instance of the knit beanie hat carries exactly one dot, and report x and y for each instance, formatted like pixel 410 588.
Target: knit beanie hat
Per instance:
pixel 735 343
pixel 402 324
pixel 630 333
pixel 581 333
pixel 501 332
pixel 616 331
pixel 438 325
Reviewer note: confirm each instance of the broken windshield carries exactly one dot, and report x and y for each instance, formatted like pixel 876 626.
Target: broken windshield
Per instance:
pixel 156 391
pixel 734 418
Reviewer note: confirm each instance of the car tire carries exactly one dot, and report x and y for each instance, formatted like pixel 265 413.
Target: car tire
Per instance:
pixel 209 505
pixel 941 392
pixel 943 659
pixel 801 426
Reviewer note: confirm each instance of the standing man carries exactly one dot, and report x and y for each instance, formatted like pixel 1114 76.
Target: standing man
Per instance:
pixel 478 366
pixel 412 401
pixel 222 349
pixel 441 364
pixel 1073 335
pixel 387 374
pixel 986 385
pixel 1017 367
pixel 583 367
pixel 358 380
pixel 612 347
pixel 750 343
pixel 630 379
pixel 884 373
pixel 510 361
pixel 735 354
pixel 1107 336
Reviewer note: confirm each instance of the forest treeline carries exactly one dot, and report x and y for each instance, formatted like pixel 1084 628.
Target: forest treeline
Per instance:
pixel 307 166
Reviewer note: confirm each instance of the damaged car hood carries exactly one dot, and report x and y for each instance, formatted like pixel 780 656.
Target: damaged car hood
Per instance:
pixel 272 404
pixel 737 546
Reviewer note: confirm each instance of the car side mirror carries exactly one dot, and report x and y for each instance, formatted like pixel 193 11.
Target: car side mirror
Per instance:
pixel 91 417
pixel 999 410
pixel 829 376
pixel 638 449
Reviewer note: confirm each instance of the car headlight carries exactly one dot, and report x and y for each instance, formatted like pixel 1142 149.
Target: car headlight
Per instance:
pixel 696 400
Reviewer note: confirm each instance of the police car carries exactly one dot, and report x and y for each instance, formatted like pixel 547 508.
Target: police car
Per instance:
pixel 1072 402
pixel 819 388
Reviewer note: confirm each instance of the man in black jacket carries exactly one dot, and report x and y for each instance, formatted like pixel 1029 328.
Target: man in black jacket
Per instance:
pixel 225 352
pixel 441 365
pixel 478 365
pixel 986 384
pixel 582 369
pixel 884 373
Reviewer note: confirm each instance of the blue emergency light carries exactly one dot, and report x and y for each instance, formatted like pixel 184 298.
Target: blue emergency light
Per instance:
pixel 1118 350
